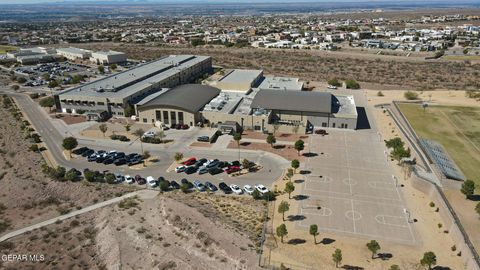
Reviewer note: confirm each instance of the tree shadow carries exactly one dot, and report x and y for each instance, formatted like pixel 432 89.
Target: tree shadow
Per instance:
pixel 384 256
pixel 305 172
pixel 299 181
pixel 296 217
pixel 327 241
pixel 310 154
pixel 441 268
pixel 300 197
pixel 352 267
pixel 155 160
pixel 296 241
pixel 279 146
pixel 245 143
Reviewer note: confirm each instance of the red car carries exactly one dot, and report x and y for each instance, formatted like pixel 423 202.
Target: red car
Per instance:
pixel 190 161
pixel 232 169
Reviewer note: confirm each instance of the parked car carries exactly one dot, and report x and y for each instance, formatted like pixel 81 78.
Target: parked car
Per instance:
pixel 190 161
pixel 203 139
pixel 235 163
pixel 80 150
pixel 236 189
pixel 119 178
pixel 100 159
pixel 213 163
pixel 186 182
pixel 161 179
pixel 331 87
pixel 135 161
pixel 190 169
pixel 184 126
pixel 202 170
pixel 180 169
pixel 232 169
pixel 211 186
pixel 261 188
pixel 92 158
pixel 321 132
pixel 141 181
pixel 200 162
pixel 120 161
pixel 152 182
pixel 248 189
pixel 174 184
pixel 225 188
pixel 199 186
pixel 88 153
pixel 214 170
pixel 129 179
pixel 108 160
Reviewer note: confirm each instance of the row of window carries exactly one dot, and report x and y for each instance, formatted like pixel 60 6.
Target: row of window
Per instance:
pixel 343 125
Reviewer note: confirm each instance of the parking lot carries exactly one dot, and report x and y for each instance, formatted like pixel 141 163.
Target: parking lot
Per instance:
pixel 350 189
pixel 58 71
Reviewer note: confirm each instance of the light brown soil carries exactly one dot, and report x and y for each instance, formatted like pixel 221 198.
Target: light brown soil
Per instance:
pixel 27 195
pixel 69 119
pixel 285 151
pixel 279 137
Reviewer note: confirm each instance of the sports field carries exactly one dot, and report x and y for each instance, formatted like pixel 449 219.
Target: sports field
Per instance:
pixel 5 49
pixel 456 128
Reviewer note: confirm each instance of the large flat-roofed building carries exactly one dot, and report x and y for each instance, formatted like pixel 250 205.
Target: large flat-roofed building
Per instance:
pixel 108 57
pixel 238 80
pixel 281 83
pixel 117 91
pixel 73 54
pixel 179 105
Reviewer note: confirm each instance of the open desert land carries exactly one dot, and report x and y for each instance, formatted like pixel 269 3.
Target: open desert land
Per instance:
pixel 372 71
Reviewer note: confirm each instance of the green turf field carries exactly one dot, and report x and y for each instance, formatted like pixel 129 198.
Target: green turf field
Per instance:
pixel 5 49
pixel 456 128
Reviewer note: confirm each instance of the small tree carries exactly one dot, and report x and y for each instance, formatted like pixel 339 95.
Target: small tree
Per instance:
pixel 374 247
pixel 246 163
pixel 184 188
pixel 101 69
pixel 295 165
pixel 52 84
pixel 299 146
pixel 429 259
pixel 337 257
pixel 160 134
pixel 289 188
pixel 15 87
pixel 314 232
pixel 127 127
pixel 477 208
pixel 110 178
pixel 282 231
pixel 47 102
pixel 334 82
pixel 178 156
pixel 69 144
pixel 103 128
pixel 468 188
pixel 113 66
pixel 380 94
pixel 164 185
pixel 410 95
pixel 71 175
pixel 271 140
pixel 256 194
pixel 290 173
pixel 129 110
pixel 146 155
pixel 238 137
pixel 276 126
pixel 282 208
pixel 352 84
pixel 33 147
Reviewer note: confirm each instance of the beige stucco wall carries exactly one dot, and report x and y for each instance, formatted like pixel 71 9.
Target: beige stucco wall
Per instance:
pixel 150 116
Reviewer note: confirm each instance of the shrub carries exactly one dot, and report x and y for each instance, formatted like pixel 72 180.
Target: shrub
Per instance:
pixel 334 82
pixel 380 94
pixel 352 84
pixel 410 95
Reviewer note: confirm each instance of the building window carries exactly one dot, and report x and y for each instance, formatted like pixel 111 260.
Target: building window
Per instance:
pixel 257 127
pixel 346 125
pixel 165 118
pixel 144 120
pixel 324 124
pixel 333 124
pixel 120 113
pixel 180 117
pixel 173 117
pixel 101 103
pixel 158 115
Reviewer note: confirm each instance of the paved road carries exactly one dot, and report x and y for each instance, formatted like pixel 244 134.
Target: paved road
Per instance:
pixel 145 194
pixel 53 134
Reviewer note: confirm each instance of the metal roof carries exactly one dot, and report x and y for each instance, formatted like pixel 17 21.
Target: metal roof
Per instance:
pixel 438 154
pixel 129 82
pixel 242 76
pixel 281 83
pixel 187 97
pixel 293 101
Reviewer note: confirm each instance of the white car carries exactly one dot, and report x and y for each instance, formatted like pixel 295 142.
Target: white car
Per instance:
pixel 119 178
pixel 261 188
pixel 129 179
pixel 180 169
pixel 331 87
pixel 236 189
pixel 152 182
pixel 248 189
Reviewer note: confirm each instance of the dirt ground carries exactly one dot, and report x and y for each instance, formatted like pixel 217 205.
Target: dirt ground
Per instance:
pixel 27 195
pixel 70 119
pixel 279 137
pixel 285 151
